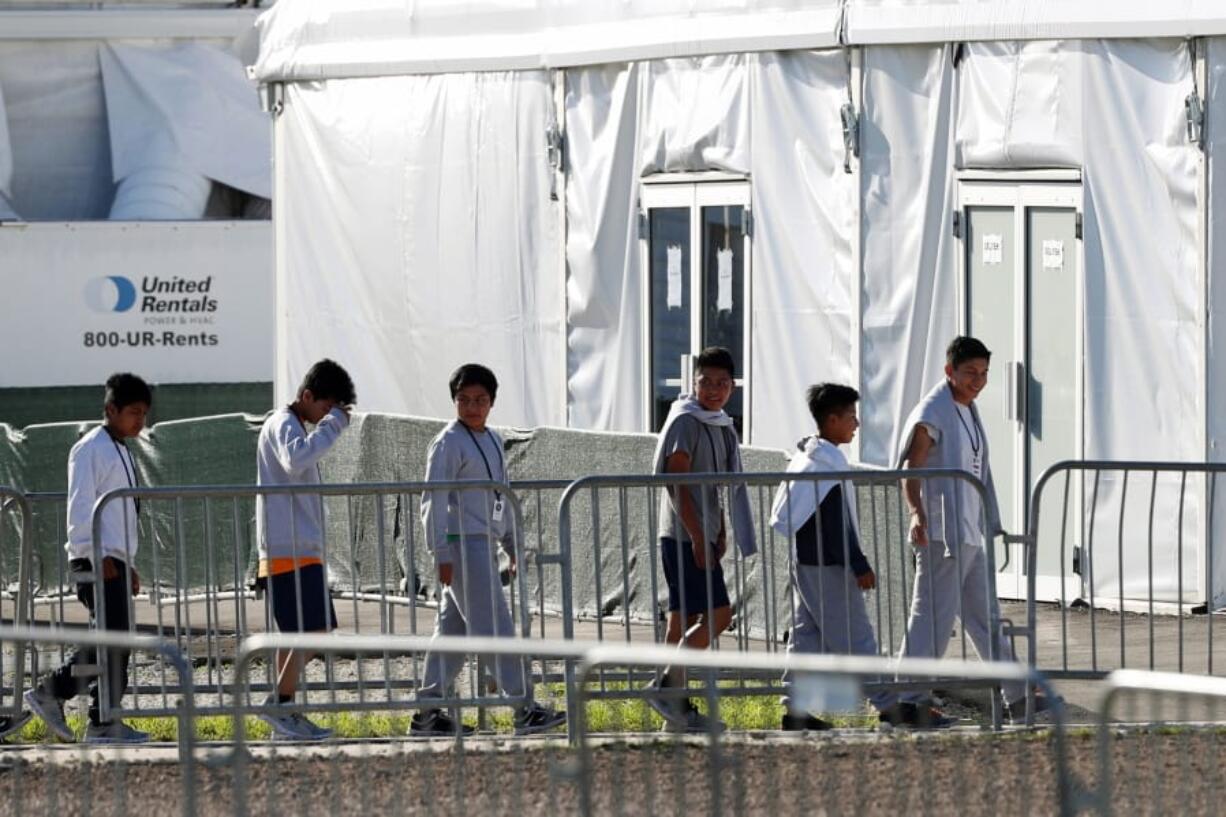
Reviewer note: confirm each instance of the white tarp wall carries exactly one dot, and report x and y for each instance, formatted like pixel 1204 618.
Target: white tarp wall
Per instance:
pixel 772 117
pixel 416 233
pixel 1215 150
pixel 1115 109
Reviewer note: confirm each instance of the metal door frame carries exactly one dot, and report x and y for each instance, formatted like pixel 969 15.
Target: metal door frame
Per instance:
pixel 1024 190
pixel 695 191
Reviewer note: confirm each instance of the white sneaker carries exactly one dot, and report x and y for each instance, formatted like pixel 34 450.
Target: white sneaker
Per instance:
pixel 114 732
pixel 670 709
pixel 293 726
pixel 51 709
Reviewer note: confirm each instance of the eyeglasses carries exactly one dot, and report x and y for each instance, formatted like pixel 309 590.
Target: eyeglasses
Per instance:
pixel 474 402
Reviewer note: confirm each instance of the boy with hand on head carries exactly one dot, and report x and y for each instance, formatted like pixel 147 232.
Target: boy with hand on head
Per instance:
pixel 290 528
pixel 101 462
pixel 947 526
pixel 462 528
pixel 698 437
pixel 830 572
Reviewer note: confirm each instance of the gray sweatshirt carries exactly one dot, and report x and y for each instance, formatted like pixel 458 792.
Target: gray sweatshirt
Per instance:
pixel 292 527
pixel 449 516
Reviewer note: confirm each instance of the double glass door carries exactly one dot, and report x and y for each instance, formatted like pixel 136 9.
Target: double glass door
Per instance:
pixel 696 250
pixel 1022 296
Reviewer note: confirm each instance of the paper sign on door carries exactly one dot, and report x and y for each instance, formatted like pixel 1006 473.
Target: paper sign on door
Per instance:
pixel 723 298
pixel 1053 254
pixel 993 248
pixel 674 276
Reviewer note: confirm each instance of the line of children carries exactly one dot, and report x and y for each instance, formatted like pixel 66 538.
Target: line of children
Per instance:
pixel 463 528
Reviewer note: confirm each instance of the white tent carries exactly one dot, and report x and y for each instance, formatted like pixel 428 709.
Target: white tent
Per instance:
pixel 866 178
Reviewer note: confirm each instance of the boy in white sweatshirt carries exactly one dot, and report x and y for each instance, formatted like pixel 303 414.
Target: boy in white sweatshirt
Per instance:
pixel 290 528
pixel 830 572
pixel 100 462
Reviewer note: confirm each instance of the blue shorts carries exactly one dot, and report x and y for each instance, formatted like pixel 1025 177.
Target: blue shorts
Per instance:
pixel 281 593
pixel 692 578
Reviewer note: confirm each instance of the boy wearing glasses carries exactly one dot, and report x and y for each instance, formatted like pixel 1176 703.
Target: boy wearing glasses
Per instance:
pixel 462 527
pixel 698 437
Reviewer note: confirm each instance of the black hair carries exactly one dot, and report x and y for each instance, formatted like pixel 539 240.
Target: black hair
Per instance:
pixel 328 380
pixel 473 374
pixel 124 389
pixel 716 357
pixel 829 398
pixel 964 348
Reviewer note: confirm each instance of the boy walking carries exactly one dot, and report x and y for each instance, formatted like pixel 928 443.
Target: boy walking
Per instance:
pixel 698 437
pixel 830 572
pixel 947 526
pixel 290 528
pixel 462 528
pixel 101 462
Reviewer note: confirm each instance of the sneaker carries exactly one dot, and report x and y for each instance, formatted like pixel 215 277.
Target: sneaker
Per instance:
pixel 114 732
pixel 671 710
pixel 694 722
pixel 11 726
pixel 292 726
pixel 535 718
pixel 923 716
pixel 897 714
pixel 804 723
pixel 51 709
pixel 435 723
pixel 1015 711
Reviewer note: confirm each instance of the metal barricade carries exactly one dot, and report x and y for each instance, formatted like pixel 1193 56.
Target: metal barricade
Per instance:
pixel 483 772
pixel 83 778
pixel 197 561
pixel 1113 544
pixel 1159 744
pixel 729 766
pixel 608 534
pixel 16 523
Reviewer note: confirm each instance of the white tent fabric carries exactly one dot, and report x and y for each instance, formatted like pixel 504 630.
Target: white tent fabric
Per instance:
pixel 319 39
pixel 6 167
pixel 909 296
pixel 178 116
pixel 1215 413
pixel 417 236
pixel 879 22
pixel 57 126
pixel 698 114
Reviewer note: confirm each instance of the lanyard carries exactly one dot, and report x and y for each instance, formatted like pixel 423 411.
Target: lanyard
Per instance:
pixel 977 440
pixel 488 470
pixel 131 477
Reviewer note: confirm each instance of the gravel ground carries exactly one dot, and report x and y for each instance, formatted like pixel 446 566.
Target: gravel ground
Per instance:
pixel 851 773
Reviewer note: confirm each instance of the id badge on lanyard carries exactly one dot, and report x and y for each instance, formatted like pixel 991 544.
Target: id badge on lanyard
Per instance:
pixel 499 505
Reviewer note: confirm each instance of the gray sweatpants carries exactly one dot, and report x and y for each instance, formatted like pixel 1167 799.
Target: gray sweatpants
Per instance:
pixel 475 605
pixel 939 590
pixel 830 617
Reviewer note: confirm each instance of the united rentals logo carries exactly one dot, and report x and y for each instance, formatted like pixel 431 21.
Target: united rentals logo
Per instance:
pixel 156 296
pixel 111 293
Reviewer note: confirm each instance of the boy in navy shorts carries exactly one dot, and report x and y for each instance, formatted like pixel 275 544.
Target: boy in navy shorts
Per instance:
pixel 290 527
pixel 698 437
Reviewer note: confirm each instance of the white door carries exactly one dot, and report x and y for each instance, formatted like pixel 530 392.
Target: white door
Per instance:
pixel 695 239
pixel 1022 297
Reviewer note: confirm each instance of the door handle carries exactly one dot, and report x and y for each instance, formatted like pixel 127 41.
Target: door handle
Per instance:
pixel 1015 374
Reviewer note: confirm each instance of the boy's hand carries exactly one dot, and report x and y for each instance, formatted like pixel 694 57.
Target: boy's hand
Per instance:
pixel 110 569
pixel 444 574
pixel 700 554
pixel 919 529
pixel 867 581
pixel 511 558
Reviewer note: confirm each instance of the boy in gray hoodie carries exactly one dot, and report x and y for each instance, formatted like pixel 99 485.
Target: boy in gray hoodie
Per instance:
pixel 462 528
